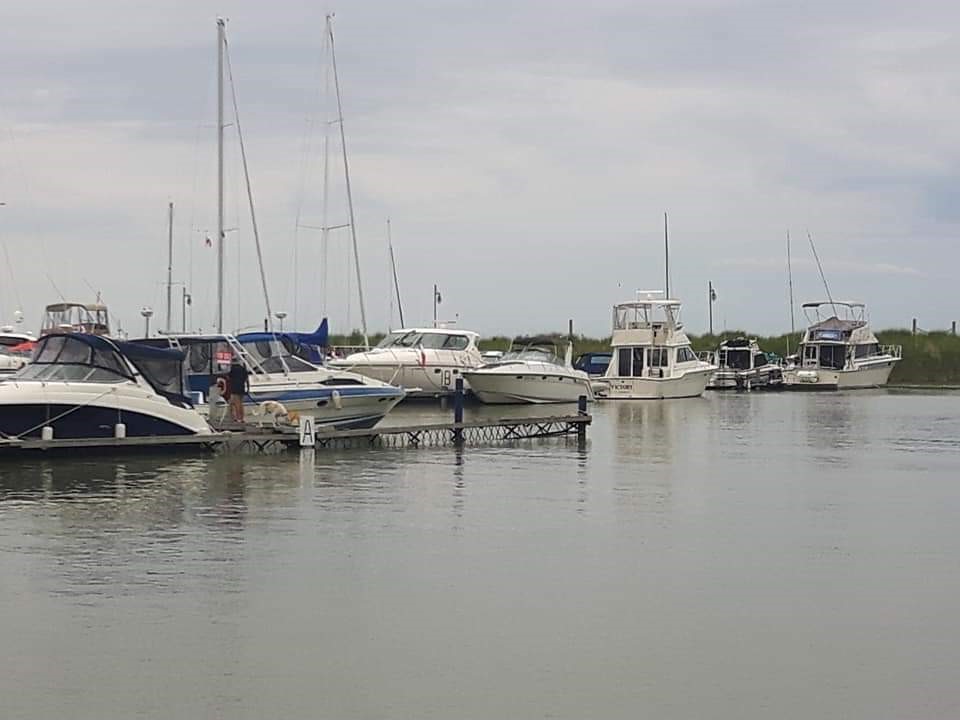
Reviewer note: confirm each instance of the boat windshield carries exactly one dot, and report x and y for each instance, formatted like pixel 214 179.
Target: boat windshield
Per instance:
pixel 531 355
pixel 426 340
pixel 273 356
pixel 75 359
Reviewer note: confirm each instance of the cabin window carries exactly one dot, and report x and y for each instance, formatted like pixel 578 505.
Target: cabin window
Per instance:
pixel 810 352
pixel 658 357
pixel 623 361
pixel 759 360
pixel 685 354
pixel 862 351
pixel 637 362
pixel 832 356
pixel 456 342
pixel 198 358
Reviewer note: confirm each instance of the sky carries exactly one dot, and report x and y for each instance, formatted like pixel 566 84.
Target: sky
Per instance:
pixel 524 153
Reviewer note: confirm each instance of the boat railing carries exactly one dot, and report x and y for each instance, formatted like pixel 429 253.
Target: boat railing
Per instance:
pixel 894 350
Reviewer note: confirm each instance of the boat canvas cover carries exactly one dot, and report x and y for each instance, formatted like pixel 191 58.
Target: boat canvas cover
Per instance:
pixel 161 368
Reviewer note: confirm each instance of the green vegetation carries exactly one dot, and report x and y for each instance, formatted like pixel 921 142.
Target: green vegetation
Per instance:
pixel 931 358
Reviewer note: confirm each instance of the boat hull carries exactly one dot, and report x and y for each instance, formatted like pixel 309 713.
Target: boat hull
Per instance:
pixel 417 380
pixel 341 408
pixel 91 411
pixel 691 384
pixel 520 388
pixel 872 376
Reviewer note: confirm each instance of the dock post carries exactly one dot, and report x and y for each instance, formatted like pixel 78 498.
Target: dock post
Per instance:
pixel 581 427
pixel 914 326
pixel 953 327
pixel 458 411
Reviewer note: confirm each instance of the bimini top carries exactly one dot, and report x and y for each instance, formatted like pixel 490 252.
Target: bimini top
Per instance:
pixel 64 306
pixel 845 303
pixel 83 357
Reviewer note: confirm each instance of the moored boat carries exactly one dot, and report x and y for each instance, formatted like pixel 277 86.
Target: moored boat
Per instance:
pixel 334 398
pixel 652 358
pixel 424 361
pixel 839 351
pixel 742 365
pixel 530 372
pixel 87 386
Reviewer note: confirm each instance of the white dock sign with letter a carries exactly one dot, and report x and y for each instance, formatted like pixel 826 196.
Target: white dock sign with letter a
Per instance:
pixel 307 436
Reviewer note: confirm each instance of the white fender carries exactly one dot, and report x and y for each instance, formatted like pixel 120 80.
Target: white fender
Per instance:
pixel 336 400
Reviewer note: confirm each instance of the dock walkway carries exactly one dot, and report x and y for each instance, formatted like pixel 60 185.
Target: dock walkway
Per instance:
pixel 235 437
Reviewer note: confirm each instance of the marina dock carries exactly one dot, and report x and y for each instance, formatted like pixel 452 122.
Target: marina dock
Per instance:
pixel 253 438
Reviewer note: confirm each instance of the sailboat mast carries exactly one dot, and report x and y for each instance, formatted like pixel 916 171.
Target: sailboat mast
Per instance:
pixel 793 325
pixel 170 268
pixel 346 172
pixel 396 282
pixel 220 42
pixel 666 258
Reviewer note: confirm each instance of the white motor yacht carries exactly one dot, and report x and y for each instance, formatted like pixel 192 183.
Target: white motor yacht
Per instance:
pixel 530 372
pixel 424 361
pixel 335 398
pixel 15 349
pixel 742 365
pixel 88 386
pixel 652 358
pixel 839 350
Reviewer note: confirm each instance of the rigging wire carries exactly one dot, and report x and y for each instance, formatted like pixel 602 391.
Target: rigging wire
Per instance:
pixel 246 175
pixel 820 269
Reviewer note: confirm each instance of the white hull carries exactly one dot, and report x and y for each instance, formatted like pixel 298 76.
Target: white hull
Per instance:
pixel 341 406
pixel 872 376
pixel 72 403
pixel 501 388
pixel 691 384
pixel 430 380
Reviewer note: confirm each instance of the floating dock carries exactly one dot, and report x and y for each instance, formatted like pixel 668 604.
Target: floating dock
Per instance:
pixel 259 439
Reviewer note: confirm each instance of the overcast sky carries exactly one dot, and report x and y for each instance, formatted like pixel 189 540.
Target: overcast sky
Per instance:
pixel 524 151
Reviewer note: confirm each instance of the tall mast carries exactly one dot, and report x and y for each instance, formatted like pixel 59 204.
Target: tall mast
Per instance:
pixel 666 257
pixel 346 172
pixel 220 43
pixel 793 326
pixel 170 269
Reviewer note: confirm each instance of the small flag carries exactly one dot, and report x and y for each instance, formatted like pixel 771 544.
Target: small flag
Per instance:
pixel 439 299
pixel 208 242
pixel 713 295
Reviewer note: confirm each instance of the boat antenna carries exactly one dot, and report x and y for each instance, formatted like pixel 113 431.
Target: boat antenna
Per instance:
pixel 169 266
pixel 346 172
pixel 221 42
pixel 666 258
pixel 246 177
pixel 396 281
pixel 820 268
pixel 793 325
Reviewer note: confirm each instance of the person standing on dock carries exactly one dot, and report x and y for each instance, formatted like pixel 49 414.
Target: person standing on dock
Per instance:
pixel 239 387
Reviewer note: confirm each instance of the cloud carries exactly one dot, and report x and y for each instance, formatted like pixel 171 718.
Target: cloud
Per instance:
pixel 522 150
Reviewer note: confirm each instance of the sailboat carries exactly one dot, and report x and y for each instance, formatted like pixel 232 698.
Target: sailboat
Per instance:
pixel 335 398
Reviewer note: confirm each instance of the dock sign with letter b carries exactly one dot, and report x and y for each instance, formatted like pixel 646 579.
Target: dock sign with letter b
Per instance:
pixel 307 436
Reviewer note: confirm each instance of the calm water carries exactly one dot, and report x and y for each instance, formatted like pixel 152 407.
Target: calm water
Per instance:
pixel 737 556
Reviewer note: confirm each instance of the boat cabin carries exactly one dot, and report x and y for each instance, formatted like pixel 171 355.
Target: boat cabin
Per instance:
pixel 838 336
pixel 86 358
pixel 648 339
pixel 428 339
pixel 90 318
